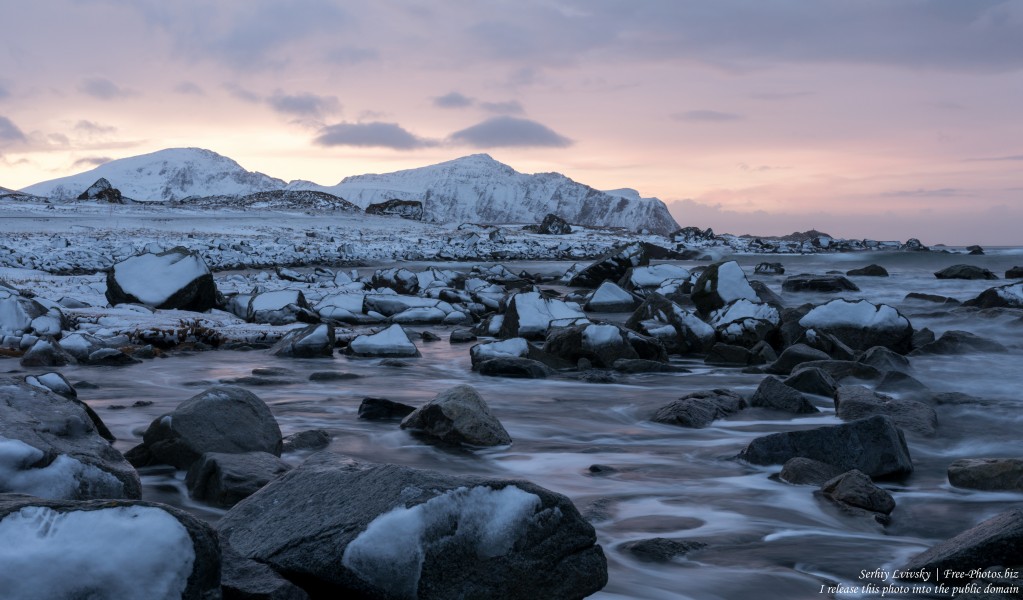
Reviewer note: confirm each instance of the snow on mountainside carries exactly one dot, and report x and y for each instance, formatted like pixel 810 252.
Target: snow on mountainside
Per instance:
pixel 479 189
pixel 169 174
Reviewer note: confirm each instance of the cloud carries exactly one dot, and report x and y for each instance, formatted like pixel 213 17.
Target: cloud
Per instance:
pixel 453 100
pixel 777 96
pixel 509 107
pixel 925 193
pixel 104 89
pixel 91 128
pixel 351 55
pixel 1014 157
pixel 503 132
pixel 373 134
pixel 90 161
pixel 304 104
pixel 189 88
pixel 706 116
pixel 4 91
pixel 241 93
pixel 9 132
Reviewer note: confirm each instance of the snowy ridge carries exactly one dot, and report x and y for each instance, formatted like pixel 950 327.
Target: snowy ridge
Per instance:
pixel 479 189
pixel 170 174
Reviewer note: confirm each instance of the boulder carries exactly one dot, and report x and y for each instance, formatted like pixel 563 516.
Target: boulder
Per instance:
pixel 900 383
pixel 727 355
pixel 529 315
pixel 812 381
pixel 857 402
pixel 774 394
pixel 111 357
pixel 344 308
pixel 105 550
pixel 679 330
pixel 965 272
pixel 613 265
pixel 868 271
pixel 224 419
pixel 382 409
pixel 914 245
pixel 883 359
pixel 601 344
pixel 390 342
pixel 310 439
pixel 806 471
pixel 227 479
pixel 653 276
pixel 828 344
pixel 806 282
pixel 935 298
pixel 766 294
pixel 462 336
pixel 174 279
pixel 58 384
pixel 855 489
pixel 793 356
pixel 660 550
pixel 861 324
pixel 959 342
pixel 341 529
pixel 458 416
pixel 552 224
pixel 993 474
pixel 309 342
pixel 766 268
pixel 245 579
pixel 280 307
pixel 46 352
pixel 513 366
pixel 700 409
pixel 102 190
pixel 18 312
pixel 840 369
pixel 997 541
pixel 1014 273
pixel 1006 296
pixel 51 447
pixel 873 445
pixel 406 209
pixel 611 298
pixel 720 284
pixel 975 250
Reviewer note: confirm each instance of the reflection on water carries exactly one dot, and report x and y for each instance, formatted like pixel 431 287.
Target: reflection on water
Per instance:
pixel 767 539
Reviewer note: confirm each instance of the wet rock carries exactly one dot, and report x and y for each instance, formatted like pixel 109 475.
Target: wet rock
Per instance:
pixel 914 245
pixel 700 409
pixel 883 359
pixel 873 445
pixel 429 336
pixel 227 479
pixel 974 250
pixel 641 365
pixel 828 344
pixel 862 324
pixel 313 341
pixel 868 271
pixel 224 419
pixel 601 470
pixel 514 366
pixel 959 342
pixel 406 209
pixel 482 538
pixel 462 336
pixel 46 352
pixel 602 345
pixel 245 579
pixel 992 474
pixel 1014 273
pixel 554 225
pixel 935 298
pixel 957 399
pixel 111 357
pixel 333 376
pixel 310 439
pixel 529 315
pixel 382 409
pixel 965 272
pixel 679 330
pixel 1006 296
pixel 857 402
pixel 54 382
pixel 160 551
pixel 660 550
pixel 995 542
pixel 812 381
pixel 175 279
pixel 922 337
pixel 401 280
pixel 774 394
pixel 899 382
pixel 796 355
pixel 613 265
pixel 855 489
pixel 806 282
pixel 458 416
pixel 728 355
pixel 766 268
pixel 806 471
pixel 720 284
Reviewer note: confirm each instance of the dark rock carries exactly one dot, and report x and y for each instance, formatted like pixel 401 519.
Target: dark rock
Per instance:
pixel 965 272
pixel 530 315
pixel 54 445
pixel 46 352
pixel 728 355
pixel 796 355
pixel 932 298
pixel 681 331
pixel 602 345
pixel 997 541
pixel 762 353
pixel 959 342
pixel 58 384
pixel 774 394
pixel 458 416
pixel 429 336
pixel 861 324
pixel 868 271
pixel 641 365
pixel 102 190
pixel 957 399
pixel 975 250
pixel 828 344
pixel 1006 296
pixel 660 550
pixel 818 283
pixel 333 376
pixel 899 382
pixel 310 439
pixel 406 209
pixel 812 381
pixel 514 366
pixel 767 268
pixel 840 369
pixel 855 489
pixel 806 471
pixel 922 337
pixel 196 291
pixel 765 294
pixel 224 419
pixel 883 359
pixel 351 530
pixel 700 409
pixel 49 534
pixel 382 409
pixel 857 402
pixel 873 445
pixel 993 474
pixel 613 265
pixel 601 470
pixel 227 479
pixel 399 279
pixel 720 284
pixel 914 245
pixel 462 336
pixel 554 225
pixel 313 341
pixel 1014 273
pixel 245 579
pixel 111 357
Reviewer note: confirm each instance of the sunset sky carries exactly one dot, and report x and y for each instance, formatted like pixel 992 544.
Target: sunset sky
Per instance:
pixel 863 118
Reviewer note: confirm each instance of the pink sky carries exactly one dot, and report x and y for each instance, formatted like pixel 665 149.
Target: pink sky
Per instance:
pixel 862 118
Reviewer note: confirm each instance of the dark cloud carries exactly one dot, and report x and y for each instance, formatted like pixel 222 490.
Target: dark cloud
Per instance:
pixel 241 93
pixel 189 88
pixel 9 132
pixel 708 116
pixel 104 89
pixel 510 107
pixel 453 100
pixel 304 104
pixel 90 161
pixel 92 128
pixel 374 134
pixel 500 132
pixel 925 193
pixel 351 55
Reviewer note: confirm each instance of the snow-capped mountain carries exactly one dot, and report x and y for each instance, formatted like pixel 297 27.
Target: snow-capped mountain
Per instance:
pixel 169 174
pixel 479 189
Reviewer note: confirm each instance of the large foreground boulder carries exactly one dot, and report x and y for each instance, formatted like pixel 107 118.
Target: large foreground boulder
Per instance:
pixel 343 529
pixel 177 278
pixel 995 542
pixel 223 418
pixel 873 445
pixel 105 550
pixel 861 325
pixel 458 416
pixel 50 447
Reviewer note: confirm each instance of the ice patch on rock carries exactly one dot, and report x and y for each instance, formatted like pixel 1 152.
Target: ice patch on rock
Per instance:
pixel 743 308
pixel 390 553
pixel 654 275
pixel 62 479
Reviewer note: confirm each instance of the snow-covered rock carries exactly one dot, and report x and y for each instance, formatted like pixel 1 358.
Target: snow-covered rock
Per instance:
pixel 345 308
pixel 529 315
pixel 1008 296
pixel 102 190
pixel 310 342
pixel 681 331
pixel 457 416
pixel 552 224
pixel 719 284
pixel 862 324
pixel 602 345
pixel 613 265
pixel 17 312
pixel 175 279
pixel 611 298
pixel 279 307
pixel 653 276
pixel 399 279
pixel 393 304
pixel 390 342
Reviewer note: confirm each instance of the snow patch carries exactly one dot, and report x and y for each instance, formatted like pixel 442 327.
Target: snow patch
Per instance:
pixel 392 341
pixel 732 284
pixel 599 336
pixel 153 279
pixel 861 313
pixel 65 478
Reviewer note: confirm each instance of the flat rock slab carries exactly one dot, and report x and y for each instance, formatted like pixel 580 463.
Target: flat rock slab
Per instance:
pixel 993 474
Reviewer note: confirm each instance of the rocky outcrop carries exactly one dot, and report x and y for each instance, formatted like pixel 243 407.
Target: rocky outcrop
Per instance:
pixel 613 265
pixel 720 284
pixel 1006 296
pixel 103 191
pixel 457 416
pixel 406 209
pixel 861 325
pixel 554 225
pixel 965 272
